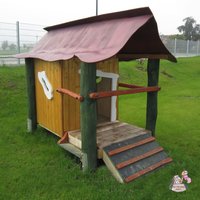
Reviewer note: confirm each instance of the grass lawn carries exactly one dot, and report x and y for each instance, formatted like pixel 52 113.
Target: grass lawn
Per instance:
pixel 33 166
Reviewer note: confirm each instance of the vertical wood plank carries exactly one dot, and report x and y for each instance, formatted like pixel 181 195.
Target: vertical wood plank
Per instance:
pixel 49 112
pixel 88 117
pixel 30 77
pixel 151 110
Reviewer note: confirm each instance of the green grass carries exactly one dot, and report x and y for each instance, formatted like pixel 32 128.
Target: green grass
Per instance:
pixel 32 166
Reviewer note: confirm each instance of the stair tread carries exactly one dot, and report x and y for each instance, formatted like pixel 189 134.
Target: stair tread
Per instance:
pixel 130 146
pixel 148 169
pixel 131 158
pixel 142 164
pixel 126 142
pixel 139 157
pixel 121 157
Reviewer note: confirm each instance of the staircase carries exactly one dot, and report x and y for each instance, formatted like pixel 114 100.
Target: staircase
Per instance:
pixel 134 157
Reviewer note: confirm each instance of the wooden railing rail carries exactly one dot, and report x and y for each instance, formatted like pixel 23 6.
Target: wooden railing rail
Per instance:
pixel 98 95
pixel 129 85
pixel 70 93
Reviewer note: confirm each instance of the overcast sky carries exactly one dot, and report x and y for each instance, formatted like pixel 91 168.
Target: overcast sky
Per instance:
pixel 169 13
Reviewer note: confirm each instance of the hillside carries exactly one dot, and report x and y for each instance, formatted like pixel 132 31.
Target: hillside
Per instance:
pixel 32 166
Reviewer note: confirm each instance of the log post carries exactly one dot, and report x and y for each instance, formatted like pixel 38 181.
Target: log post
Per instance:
pixel 151 110
pixel 88 116
pixel 30 77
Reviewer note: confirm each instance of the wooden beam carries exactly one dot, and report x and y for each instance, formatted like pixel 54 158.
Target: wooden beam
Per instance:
pixel 30 77
pixel 98 95
pixel 130 146
pixel 129 85
pixel 151 110
pixel 137 56
pixel 88 116
pixel 64 139
pixel 148 169
pixel 70 93
pixel 140 157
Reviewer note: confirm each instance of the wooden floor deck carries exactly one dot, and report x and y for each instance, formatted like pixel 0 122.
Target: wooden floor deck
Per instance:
pixel 108 133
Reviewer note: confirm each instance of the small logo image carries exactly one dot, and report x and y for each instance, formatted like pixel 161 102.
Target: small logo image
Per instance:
pixel 179 184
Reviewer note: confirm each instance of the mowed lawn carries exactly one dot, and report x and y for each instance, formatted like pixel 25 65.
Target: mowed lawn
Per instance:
pixel 33 166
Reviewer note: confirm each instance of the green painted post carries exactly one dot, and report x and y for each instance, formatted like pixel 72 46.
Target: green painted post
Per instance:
pixel 88 116
pixel 151 110
pixel 30 77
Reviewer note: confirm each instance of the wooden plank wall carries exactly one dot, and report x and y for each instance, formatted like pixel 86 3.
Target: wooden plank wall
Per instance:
pixel 49 112
pixel 109 65
pixel 71 81
pixel 71 107
pixel 62 113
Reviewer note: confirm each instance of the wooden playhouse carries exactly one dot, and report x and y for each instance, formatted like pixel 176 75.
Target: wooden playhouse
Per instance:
pixel 73 89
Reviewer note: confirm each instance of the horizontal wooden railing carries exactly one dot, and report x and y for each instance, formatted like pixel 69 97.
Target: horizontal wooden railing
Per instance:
pixel 129 85
pixel 98 95
pixel 70 93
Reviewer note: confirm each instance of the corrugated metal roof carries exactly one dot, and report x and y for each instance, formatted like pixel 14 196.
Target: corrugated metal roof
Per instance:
pixel 129 34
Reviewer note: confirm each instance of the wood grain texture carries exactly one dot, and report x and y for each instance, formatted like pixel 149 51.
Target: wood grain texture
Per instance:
pixel 152 97
pixel 88 117
pixel 71 107
pixel 107 134
pixel 49 112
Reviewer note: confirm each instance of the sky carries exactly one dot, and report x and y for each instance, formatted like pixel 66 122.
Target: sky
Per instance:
pixel 169 14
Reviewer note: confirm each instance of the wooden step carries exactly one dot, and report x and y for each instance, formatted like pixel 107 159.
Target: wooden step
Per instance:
pixel 149 169
pixel 132 158
pixel 130 146
pixel 140 157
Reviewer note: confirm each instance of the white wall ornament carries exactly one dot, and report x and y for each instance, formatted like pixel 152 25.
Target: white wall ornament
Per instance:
pixel 46 85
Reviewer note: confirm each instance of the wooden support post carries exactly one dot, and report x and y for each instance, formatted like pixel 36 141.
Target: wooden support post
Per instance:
pixel 151 110
pixel 30 76
pixel 88 116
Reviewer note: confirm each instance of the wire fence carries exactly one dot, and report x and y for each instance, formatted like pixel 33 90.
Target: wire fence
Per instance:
pixel 17 38
pixel 21 37
pixel 182 48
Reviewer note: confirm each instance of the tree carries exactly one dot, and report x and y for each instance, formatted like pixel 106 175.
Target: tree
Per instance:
pixel 12 47
pixel 190 30
pixel 4 45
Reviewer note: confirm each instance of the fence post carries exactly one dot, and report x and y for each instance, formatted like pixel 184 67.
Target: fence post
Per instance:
pixel 18 40
pixel 175 46
pixel 187 50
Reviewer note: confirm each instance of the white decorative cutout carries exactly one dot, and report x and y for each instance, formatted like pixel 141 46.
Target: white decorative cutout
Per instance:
pixel 48 90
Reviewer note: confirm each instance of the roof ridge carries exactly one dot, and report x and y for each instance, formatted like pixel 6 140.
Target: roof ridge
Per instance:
pixel 104 17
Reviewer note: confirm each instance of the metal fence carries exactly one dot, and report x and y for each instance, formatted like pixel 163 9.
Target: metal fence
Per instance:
pixel 21 37
pixel 182 48
pixel 17 38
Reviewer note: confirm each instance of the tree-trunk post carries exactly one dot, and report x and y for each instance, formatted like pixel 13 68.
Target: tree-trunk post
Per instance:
pixel 151 110
pixel 88 116
pixel 30 77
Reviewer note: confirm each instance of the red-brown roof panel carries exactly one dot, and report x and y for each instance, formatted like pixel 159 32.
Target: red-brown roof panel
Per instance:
pixel 98 38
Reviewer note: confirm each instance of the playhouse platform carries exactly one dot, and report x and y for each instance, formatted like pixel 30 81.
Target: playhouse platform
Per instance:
pixel 107 134
pixel 128 151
